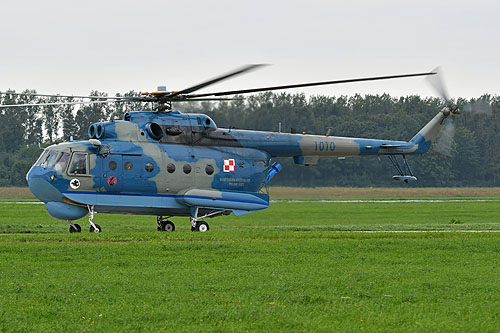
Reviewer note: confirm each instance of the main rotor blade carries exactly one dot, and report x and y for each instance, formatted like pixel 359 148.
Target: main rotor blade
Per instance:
pixel 62 96
pixel 207 99
pixel 301 85
pixel 59 103
pixel 238 71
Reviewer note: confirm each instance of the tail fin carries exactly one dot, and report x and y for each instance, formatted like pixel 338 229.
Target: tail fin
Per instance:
pixel 427 135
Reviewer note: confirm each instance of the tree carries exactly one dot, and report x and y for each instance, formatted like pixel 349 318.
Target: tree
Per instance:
pixel 89 114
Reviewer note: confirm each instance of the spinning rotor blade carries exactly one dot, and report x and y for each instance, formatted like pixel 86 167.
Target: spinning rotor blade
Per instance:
pixel 478 107
pixel 165 98
pixel 311 84
pixel 217 79
pixel 444 143
pixel 59 103
pixel 208 99
pixel 62 96
pixel 438 85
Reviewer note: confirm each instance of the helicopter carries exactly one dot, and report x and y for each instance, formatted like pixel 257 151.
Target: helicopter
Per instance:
pixel 166 163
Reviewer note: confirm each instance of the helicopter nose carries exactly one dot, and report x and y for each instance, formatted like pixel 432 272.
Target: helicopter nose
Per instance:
pixel 41 187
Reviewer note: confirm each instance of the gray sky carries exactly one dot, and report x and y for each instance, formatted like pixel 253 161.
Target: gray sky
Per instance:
pixel 72 47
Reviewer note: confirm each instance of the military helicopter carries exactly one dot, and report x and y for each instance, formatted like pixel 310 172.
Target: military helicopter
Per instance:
pixel 166 163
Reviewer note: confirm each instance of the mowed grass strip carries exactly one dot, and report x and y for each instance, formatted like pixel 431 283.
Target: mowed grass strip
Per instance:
pixel 255 280
pixel 308 215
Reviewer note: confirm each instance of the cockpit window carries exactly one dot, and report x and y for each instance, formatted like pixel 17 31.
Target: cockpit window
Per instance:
pixel 78 164
pixel 50 160
pixel 61 163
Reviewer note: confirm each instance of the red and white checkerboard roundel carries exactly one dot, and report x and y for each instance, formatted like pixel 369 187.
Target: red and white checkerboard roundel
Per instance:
pixel 229 165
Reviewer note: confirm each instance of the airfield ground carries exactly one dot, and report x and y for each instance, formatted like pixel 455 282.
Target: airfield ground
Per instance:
pixel 297 266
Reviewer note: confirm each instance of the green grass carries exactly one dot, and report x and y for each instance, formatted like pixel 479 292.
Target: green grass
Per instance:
pixel 284 269
pixel 308 215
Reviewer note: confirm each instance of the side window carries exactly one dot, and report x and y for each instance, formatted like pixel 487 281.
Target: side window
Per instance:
pixel 78 164
pixel 128 166
pixel 112 165
pixel 171 168
pixel 149 167
pixel 62 162
pixel 209 169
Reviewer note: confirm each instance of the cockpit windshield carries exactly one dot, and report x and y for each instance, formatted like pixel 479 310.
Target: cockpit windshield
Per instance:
pixel 53 159
pixel 42 158
pixel 49 160
pixel 61 163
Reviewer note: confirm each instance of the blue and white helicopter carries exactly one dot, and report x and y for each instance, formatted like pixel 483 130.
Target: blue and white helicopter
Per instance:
pixel 166 163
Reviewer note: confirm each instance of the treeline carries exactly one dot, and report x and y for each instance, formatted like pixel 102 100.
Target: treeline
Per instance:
pixel 25 130
pixel 473 161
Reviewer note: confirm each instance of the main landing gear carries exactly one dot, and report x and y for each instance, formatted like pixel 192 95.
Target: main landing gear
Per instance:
pixel 200 226
pixel 164 224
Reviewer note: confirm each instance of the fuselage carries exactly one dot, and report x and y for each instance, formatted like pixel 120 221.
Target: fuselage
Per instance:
pixel 166 164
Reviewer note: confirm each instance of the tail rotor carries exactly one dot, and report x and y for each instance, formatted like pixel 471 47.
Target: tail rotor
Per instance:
pixel 445 140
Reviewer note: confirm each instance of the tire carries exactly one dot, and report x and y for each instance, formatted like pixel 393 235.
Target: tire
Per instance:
pixel 167 226
pixel 75 228
pixel 202 226
pixel 95 230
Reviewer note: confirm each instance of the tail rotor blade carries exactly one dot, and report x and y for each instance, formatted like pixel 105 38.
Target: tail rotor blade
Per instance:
pixel 438 85
pixel 444 143
pixel 478 107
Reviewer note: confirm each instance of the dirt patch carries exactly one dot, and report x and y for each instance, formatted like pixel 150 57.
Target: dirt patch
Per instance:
pixel 16 192
pixel 329 192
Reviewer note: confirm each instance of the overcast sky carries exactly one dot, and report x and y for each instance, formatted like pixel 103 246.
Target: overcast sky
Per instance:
pixel 73 47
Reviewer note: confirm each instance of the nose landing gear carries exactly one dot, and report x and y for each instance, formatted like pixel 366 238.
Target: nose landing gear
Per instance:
pixel 73 227
pixel 93 227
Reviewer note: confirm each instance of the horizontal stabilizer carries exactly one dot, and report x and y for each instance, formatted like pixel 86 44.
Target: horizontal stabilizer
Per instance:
pixel 388 146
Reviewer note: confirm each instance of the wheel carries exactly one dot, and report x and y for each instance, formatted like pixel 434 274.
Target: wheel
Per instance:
pixel 95 230
pixel 193 228
pixel 75 228
pixel 167 226
pixel 202 226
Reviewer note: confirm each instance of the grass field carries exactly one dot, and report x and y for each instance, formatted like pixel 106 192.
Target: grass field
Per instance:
pixel 297 267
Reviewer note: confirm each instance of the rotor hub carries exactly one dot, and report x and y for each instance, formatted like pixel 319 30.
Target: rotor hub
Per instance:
pixel 452 109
